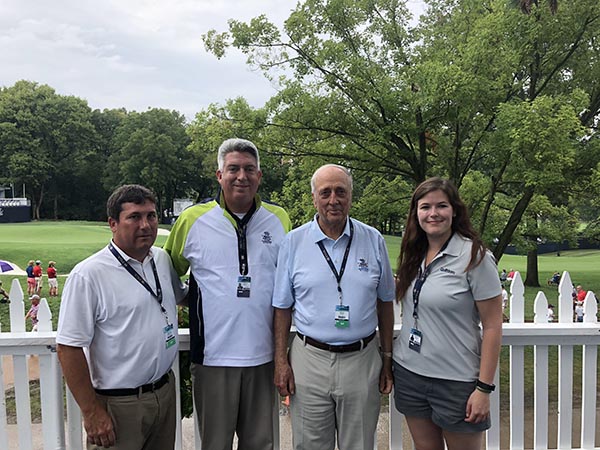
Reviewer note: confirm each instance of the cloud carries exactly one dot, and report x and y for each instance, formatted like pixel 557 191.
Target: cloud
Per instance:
pixel 134 54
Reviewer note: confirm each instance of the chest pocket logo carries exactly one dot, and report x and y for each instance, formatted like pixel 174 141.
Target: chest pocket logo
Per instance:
pixel 267 238
pixel 363 265
pixel 448 271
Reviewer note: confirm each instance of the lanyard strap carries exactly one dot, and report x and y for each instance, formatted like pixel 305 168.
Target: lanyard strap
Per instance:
pixel 158 295
pixel 241 238
pixel 420 281
pixel 338 276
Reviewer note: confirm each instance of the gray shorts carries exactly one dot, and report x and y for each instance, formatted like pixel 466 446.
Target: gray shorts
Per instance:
pixel 442 401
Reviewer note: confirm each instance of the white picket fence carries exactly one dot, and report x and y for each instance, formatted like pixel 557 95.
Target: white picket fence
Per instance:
pixel 64 431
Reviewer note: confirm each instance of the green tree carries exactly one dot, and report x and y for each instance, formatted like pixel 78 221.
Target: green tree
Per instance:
pixel 427 101
pixel 150 149
pixel 44 137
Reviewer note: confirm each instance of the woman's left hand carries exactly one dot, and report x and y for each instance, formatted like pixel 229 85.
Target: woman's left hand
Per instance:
pixel 478 407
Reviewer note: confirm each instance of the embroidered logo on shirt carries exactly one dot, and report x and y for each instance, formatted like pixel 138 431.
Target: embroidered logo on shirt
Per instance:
pixel 451 272
pixel 363 265
pixel 267 238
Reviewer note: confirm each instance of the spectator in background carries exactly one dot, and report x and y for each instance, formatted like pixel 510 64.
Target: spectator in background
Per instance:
pixel 3 294
pixel 503 276
pixel 579 312
pixel 30 278
pixel 33 311
pixel 511 275
pixel 52 281
pixel 581 293
pixel 504 304
pixel 550 313
pixel 39 277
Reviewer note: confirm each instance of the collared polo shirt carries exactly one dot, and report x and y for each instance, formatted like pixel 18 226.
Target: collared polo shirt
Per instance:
pixel 448 316
pixel 227 330
pixel 305 281
pixel 117 322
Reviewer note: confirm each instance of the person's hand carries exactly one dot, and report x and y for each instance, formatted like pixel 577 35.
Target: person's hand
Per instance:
pixel 386 379
pixel 99 427
pixel 284 379
pixel 478 407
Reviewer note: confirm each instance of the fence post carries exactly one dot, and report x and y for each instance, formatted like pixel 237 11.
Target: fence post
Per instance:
pixel 588 382
pixel 20 369
pixel 565 365
pixel 540 378
pixel 51 387
pixel 517 363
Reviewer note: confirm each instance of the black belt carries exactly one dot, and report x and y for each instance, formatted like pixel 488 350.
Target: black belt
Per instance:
pixel 150 387
pixel 354 347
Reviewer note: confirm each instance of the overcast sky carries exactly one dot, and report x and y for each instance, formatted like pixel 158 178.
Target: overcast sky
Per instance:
pixel 133 53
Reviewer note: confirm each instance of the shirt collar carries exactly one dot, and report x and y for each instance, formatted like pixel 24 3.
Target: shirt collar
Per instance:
pixel 454 245
pixel 318 235
pixel 128 258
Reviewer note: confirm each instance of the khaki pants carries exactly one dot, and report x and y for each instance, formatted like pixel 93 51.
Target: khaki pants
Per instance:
pixel 337 394
pixel 147 422
pixel 236 400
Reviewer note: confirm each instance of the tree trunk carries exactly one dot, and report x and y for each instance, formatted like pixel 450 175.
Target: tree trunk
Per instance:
pixel 513 222
pixel 532 269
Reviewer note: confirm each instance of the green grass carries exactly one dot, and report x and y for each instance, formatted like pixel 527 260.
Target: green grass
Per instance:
pixel 67 243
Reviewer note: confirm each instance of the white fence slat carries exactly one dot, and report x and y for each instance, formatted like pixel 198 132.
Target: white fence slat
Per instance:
pixel 517 360
pixel 23 401
pixel 565 299
pixel 492 437
pixel 51 396
pixel 540 379
pixel 178 430
pixel 44 316
pixel 517 393
pixel 589 381
pixel 74 423
pixel 16 307
pixel 517 299
pixel 565 396
pixel 3 419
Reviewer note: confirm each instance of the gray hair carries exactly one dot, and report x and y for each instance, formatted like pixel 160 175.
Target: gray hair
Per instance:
pixel 313 180
pixel 237 145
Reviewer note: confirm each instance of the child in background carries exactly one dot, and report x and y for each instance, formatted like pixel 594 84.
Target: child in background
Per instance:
pixel 550 313
pixel 579 312
pixel 33 311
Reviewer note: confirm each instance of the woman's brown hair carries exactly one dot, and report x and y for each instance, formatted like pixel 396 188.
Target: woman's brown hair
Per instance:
pixel 414 241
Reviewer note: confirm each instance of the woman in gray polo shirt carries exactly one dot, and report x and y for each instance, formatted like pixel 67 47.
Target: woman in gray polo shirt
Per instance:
pixel 446 355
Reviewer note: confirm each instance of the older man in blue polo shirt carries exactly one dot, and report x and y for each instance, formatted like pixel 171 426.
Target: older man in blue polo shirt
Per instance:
pixel 334 278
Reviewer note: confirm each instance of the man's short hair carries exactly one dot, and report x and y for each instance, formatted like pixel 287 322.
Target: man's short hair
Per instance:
pixel 237 145
pixel 313 180
pixel 128 193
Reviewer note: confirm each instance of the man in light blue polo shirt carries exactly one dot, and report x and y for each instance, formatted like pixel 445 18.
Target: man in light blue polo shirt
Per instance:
pixel 334 278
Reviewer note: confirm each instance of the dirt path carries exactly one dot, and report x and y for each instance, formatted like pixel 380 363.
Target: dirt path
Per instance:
pixel 33 365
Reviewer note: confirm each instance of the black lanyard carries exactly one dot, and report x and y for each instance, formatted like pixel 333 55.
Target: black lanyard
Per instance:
pixel 158 295
pixel 338 276
pixel 420 281
pixel 241 238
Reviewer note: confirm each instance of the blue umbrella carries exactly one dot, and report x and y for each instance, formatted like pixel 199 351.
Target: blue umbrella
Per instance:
pixel 5 266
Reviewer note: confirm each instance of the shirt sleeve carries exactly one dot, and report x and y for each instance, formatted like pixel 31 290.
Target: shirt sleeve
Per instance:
pixel 386 290
pixel 283 292
pixel 77 316
pixel 483 279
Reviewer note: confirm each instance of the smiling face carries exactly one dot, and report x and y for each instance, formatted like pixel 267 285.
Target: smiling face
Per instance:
pixel 332 197
pixel 435 213
pixel 136 229
pixel 239 181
